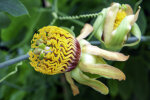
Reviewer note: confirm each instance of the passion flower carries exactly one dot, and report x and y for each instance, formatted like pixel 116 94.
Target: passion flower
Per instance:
pixel 114 24
pixel 54 51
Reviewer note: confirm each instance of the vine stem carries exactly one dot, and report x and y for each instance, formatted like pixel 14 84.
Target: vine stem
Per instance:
pixel 26 56
pixel 14 60
pixel 54 13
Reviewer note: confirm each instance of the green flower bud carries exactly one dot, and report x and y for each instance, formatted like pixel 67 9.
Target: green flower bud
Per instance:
pixel 41 56
pixel 113 25
pixel 39 41
pixel 42 45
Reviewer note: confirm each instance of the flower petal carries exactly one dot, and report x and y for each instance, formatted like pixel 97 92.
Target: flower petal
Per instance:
pixel 99 25
pixel 136 16
pixel 83 79
pixel 74 88
pixel 137 33
pixel 109 21
pixel 129 10
pixel 103 70
pixel 109 55
pixel 87 29
pixel 119 34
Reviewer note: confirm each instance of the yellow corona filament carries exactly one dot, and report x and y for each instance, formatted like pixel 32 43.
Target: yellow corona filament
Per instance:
pixel 61 50
pixel 120 16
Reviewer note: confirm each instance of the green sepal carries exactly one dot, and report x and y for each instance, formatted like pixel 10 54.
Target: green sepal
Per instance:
pixel 94 76
pixel 99 25
pixel 98 60
pixel 137 33
pixel 103 70
pixel 88 58
pixel 69 79
pixel 85 80
pixel 119 35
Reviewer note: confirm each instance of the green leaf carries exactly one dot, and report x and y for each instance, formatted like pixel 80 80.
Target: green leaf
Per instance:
pixel 126 88
pixel 19 95
pixel 137 82
pixel 142 21
pixel 4 20
pixel 113 86
pixel 13 7
pixel 40 93
pixel 14 28
pixel 22 28
pixel 30 32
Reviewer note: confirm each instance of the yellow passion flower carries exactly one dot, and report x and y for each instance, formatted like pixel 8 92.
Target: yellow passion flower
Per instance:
pixel 55 50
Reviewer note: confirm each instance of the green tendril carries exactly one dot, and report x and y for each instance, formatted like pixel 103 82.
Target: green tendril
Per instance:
pixel 78 16
pixel 11 73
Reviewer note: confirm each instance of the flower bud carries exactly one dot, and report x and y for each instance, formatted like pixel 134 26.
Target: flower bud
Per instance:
pixel 113 25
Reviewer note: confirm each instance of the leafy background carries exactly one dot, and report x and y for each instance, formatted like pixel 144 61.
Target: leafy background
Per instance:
pixel 20 19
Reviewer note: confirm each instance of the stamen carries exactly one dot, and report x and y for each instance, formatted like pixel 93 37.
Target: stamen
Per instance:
pixel 120 16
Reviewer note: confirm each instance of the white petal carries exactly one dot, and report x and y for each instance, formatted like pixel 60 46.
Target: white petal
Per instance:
pixel 87 29
pixel 109 21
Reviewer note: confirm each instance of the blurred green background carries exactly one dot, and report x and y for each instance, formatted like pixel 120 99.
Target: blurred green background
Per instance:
pixel 20 19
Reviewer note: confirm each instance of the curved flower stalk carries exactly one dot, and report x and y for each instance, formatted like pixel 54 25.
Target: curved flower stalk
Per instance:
pixel 55 50
pixel 113 26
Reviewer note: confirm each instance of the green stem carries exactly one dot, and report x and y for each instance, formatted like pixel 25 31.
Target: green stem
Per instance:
pixel 13 61
pixel 26 56
pixel 53 21
pixel 55 7
pixel 54 13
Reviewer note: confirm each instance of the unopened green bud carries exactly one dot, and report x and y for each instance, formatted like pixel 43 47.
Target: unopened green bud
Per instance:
pixel 124 7
pixel 39 41
pixel 42 45
pixel 41 56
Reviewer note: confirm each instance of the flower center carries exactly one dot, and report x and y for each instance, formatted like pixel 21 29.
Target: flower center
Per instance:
pixel 54 51
pixel 120 16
